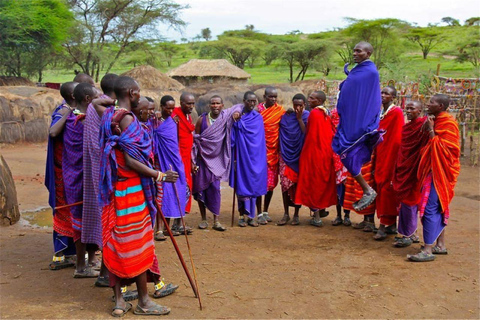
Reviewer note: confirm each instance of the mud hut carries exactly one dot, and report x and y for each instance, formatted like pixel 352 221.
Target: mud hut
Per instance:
pixel 200 71
pixel 150 78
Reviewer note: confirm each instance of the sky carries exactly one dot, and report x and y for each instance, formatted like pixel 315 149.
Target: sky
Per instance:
pixel 310 16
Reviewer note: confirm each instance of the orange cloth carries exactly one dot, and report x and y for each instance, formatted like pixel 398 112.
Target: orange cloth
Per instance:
pixel 185 143
pixel 353 190
pixel 386 154
pixel 441 157
pixel 271 120
pixel 316 178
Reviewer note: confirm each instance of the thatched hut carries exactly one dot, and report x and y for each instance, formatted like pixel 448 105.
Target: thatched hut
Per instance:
pixel 200 71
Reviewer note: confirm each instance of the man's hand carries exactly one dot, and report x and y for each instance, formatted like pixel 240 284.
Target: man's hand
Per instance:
pixel 236 116
pixel 176 119
pixel 172 176
pixel 299 112
pixel 103 102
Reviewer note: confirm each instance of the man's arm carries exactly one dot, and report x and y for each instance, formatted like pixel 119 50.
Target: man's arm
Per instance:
pixel 101 105
pixel 58 127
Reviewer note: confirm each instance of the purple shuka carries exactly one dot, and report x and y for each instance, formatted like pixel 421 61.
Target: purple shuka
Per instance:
pixel 248 174
pixel 92 213
pixel 72 163
pixel 358 106
pixel 292 138
pixel 407 219
pixel 167 153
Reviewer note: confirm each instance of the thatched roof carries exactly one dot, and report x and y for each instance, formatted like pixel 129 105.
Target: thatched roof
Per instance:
pixel 15 81
pixel 150 78
pixel 208 68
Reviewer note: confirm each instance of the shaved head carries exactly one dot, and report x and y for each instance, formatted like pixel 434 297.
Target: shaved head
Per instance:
pixel 66 91
pixel 84 78
pixel 366 46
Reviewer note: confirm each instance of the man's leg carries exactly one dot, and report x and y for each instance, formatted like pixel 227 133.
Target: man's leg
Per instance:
pixel 120 303
pixel 268 198
pixel 203 212
pixel 145 304
pixel 369 194
pixel 286 215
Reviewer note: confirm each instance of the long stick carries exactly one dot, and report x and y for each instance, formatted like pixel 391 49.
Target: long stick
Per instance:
pixel 179 254
pixel 234 192
pixel 188 243
pixel 69 205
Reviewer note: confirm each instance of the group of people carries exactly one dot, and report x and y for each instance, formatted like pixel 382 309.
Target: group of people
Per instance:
pixel 115 165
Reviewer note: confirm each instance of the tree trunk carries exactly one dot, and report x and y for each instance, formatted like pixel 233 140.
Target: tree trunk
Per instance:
pixel 40 75
pixel 9 212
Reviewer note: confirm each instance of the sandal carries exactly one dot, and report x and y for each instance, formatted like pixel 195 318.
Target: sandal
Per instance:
pixel 164 290
pixel 181 230
pixel 128 295
pixel 415 238
pixel 160 236
pixel 347 222
pixel 380 236
pixel 284 220
pixel 242 223
pixel 203 225
pixel 218 226
pixel 422 256
pixel 267 217
pixel 252 223
pixel 95 265
pixel 324 214
pixel 360 225
pixel 174 232
pixel 391 229
pixel 366 200
pixel 338 221
pixel 438 250
pixel 315 223
pixel 86 273
pixel 295 221
pixel 402 242
pixel 369 227
pixel 102 282
pixel 59 263
pixel 128 306
pixel 261 219
pixel 156 310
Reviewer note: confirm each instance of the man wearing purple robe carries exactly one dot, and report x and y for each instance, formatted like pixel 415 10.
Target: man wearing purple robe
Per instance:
pixel 72 163
pixel 359 110
pixel 248 174
pixel 212 154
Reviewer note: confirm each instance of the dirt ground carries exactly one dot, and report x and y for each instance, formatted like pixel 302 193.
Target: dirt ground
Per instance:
pixel 266 272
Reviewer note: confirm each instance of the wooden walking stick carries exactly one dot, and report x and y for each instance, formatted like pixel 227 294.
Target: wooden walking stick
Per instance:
pixel 234 190
pixel 179 254
pixel 188 243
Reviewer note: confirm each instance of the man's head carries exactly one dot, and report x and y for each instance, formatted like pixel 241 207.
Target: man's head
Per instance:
pixel 362 51
pixel 438 103
pixel 250 100
pixel 413 109
pixel 316 98
pixel 270 96
pixel 151 107
pixel 127 89
pixel 187 102
pixel 167 104
pixel 216 105
pixel 107 84
pixel 84 78
pixel 66 91
pixel 388 94
pixel 84 93
pixel 299 101
pixel 141 111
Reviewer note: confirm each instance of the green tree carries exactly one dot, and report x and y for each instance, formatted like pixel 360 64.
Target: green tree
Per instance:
pixel 383 34
pixel 250 27
pixel 426 38
pixel 302 55
pixel 31 34
pixel 450 21
pixel 117 22
pixel 237 50
pixel 206 34
pixel 469 50
pixel 169 50
pixel 473 21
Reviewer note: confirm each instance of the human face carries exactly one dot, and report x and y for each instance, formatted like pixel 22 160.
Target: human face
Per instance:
pixel 313 100
pixel 360 54
pixel 412 110
pixel 250 102
pixel 216 106
pixel 187 104
pixel 151 109
pixel 387 96
pixel 134 95
pixel 433 107
pixel 298 104
pixel 270 98
pixel 167 109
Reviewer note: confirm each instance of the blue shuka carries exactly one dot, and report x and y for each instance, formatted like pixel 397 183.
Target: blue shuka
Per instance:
pixel 358 106
pixel 248 175
pixel 292 138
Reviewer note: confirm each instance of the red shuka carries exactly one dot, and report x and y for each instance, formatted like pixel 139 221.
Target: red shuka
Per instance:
pixel 405 182
pixel 316 178
pixel 386 155
pixel 185 142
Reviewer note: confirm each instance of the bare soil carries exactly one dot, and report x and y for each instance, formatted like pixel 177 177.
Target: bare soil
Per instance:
pixel 266 272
